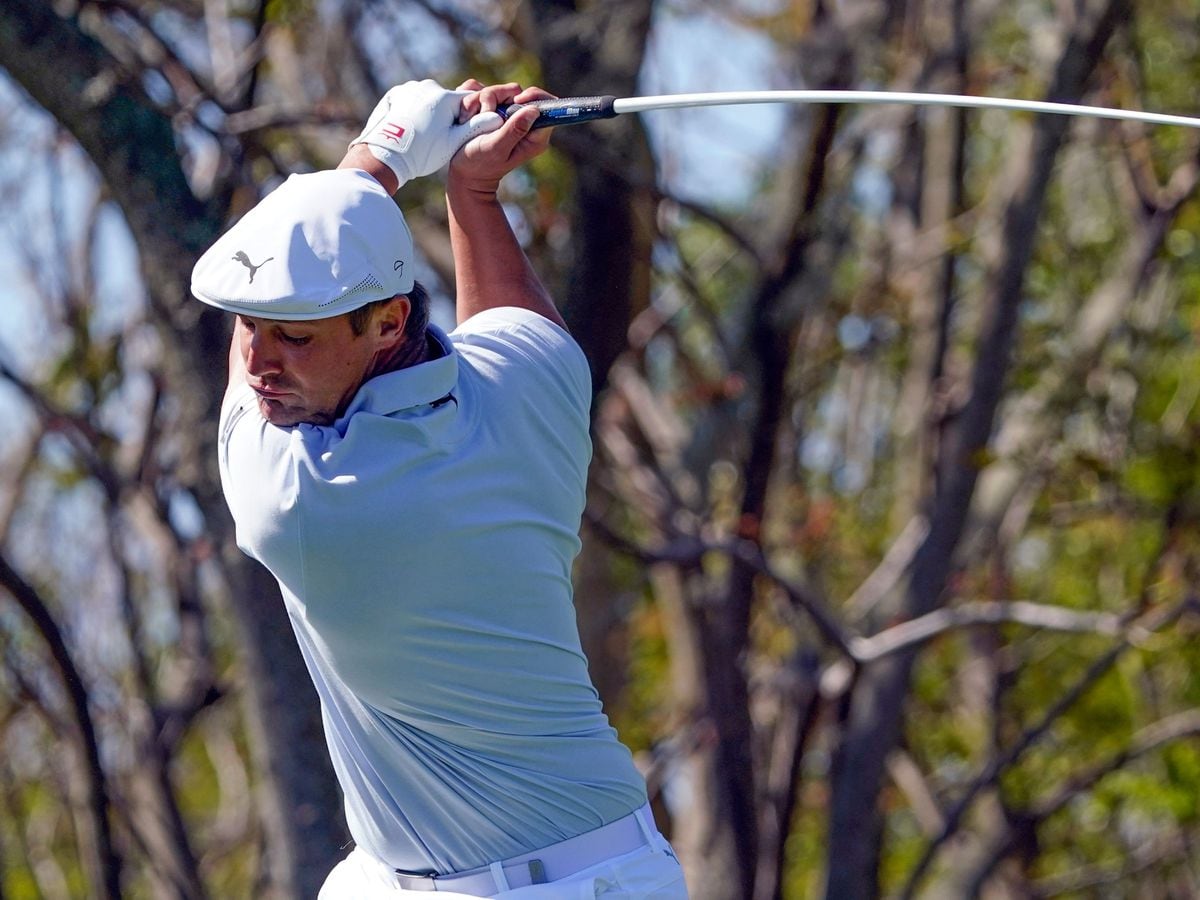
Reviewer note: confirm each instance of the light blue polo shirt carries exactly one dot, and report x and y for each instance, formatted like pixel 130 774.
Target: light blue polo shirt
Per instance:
pixel 424 552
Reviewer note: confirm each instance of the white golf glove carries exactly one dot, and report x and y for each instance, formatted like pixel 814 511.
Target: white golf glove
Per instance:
pixel 414 129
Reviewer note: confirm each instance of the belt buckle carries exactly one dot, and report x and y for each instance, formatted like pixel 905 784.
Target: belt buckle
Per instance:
pixel 416 881
pixel 424 881
pixel 537 872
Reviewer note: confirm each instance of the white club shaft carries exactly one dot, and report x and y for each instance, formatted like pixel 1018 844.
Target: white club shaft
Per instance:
pixel 737 98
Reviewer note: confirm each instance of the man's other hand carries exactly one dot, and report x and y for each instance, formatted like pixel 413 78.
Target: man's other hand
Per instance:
pixel 419 125
pixel 485 159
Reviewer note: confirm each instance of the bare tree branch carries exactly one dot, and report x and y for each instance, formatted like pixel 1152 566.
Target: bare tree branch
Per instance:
pixel 263 118
pixel 1035 615
pixel 799 705
pixel 109 863
pixel 688 551
pixel 1153 853
pixel 1147 740
pixel 891 568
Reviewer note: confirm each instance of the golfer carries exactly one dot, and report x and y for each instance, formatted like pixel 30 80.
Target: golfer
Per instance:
pixel 418 495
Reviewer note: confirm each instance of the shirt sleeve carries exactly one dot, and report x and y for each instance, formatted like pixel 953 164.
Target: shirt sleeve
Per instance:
pixel 551 352
pixel 258 475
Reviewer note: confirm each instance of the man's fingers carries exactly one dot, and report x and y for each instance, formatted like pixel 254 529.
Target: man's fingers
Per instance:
pixel 487 157
pixel 515 142
pixel 516 129
pixel 471 105
pixel 484 99
pixel 489 98
pixel 480 124
pixel 494 96
pixel 533 93
pixel 528 95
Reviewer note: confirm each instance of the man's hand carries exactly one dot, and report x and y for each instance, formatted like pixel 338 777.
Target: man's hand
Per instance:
pixel 419 125
pixel 483 161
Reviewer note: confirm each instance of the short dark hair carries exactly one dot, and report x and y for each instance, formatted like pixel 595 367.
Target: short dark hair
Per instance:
pixel 418 316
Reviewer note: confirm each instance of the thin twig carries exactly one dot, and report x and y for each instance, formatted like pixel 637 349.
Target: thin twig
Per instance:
pixel 993 612
pixel 687 551
pixel 98 802
pixel 1103 875
pixel 1148 739
pixel 1165 731
pixel 751 554
pixel 890 569
pixel 261 118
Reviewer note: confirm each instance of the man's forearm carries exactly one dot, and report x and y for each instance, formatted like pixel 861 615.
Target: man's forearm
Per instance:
pixel 490 268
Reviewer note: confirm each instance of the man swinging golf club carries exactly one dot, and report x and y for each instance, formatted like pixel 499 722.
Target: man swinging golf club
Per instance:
pixel 417 495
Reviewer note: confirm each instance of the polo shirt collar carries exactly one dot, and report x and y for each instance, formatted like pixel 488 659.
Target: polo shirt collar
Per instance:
pixel 408 388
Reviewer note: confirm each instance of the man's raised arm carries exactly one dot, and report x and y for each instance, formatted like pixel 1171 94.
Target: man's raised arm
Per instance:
pixel 490 268
pixel 414 130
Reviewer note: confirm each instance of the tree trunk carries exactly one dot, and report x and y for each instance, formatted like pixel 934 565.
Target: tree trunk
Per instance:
pixel 132 144
pixel 587 49
pixel 875 715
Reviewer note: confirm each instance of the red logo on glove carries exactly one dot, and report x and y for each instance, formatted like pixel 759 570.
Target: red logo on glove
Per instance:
pixel 392 132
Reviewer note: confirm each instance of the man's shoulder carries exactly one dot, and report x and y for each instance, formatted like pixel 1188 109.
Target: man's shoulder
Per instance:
pixel 509 318
pixel 522 331
pixel 520 340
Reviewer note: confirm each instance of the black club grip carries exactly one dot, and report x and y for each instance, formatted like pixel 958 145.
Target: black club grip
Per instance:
pixel 566 110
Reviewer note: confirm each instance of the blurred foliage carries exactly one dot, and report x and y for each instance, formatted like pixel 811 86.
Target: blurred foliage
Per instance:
pixel 1103 518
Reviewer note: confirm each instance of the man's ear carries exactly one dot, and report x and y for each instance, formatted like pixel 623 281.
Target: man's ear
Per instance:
pixel 391 318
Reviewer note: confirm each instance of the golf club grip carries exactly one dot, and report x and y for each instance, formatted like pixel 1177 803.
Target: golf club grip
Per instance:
pixel 566 110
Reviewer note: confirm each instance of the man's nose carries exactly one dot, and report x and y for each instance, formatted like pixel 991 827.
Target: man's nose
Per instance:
pixel 261 356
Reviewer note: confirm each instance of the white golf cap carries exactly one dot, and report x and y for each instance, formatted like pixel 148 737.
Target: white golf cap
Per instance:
pixel 317 246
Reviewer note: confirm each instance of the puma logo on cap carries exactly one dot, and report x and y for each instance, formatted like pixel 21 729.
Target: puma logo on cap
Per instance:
pixel 241 257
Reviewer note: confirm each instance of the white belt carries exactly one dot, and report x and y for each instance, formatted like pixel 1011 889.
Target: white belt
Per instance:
pixel 551 863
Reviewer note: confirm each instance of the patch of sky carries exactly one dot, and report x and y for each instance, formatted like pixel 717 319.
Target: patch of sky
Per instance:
pixel 1031 554
pixel 120 296
pixel 123 411
pixel 857 333
pixel 404 43
pixel 711 154
pixel 872 183
pixel 23 128
pixel 19 418
pixel 65 522
pixel 51 201
pixel 190 44
pixel 819 452
pixel 183 512
pixel 854 332
pixel 157 87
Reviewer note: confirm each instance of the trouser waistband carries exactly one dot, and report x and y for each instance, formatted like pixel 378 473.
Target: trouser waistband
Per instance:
pixel 548 864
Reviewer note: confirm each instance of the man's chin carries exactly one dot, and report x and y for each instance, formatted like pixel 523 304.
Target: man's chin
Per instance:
pixel 278 414
pixel 283 416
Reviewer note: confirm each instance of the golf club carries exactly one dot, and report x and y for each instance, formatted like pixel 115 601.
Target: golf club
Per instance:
pixel 569 110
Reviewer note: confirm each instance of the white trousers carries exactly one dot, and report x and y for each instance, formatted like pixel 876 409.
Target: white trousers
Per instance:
pixel 648 873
